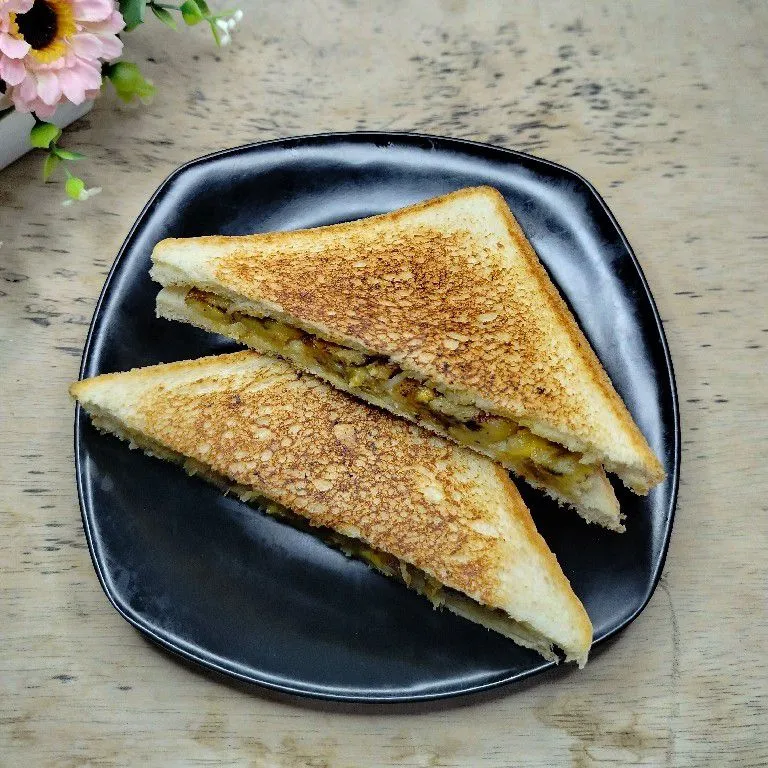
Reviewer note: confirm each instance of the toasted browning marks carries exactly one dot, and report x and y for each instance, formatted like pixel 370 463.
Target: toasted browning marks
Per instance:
pixel 400 506
pixel 446 302
pixel 426 307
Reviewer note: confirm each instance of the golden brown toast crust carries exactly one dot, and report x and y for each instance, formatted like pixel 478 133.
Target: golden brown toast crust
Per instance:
pixel 340 464
pixel 445 301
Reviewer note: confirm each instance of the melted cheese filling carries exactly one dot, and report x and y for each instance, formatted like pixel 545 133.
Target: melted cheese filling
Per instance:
pixel 533 457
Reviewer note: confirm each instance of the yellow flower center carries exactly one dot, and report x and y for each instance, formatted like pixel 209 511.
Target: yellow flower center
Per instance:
pixel 45 26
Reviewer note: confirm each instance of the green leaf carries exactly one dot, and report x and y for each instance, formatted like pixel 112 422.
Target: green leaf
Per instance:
pixel 203 7
pixel 67 154
pixel 42 134
pixel 74 187
pixel 164 16
pixel 50 165
pixel 129 83
pixel 132 12
pixel 191 13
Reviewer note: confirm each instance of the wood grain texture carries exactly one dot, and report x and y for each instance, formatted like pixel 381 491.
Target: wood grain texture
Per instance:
pixel 663 106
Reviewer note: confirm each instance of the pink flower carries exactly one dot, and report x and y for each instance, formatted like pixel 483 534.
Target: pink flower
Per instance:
pixel 51 50
pixel 12 50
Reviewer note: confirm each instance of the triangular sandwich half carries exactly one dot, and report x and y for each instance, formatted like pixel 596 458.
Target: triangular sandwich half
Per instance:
pixel 441 313
pixel 442 519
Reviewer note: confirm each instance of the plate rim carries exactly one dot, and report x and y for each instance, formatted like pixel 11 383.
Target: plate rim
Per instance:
pixel 405 139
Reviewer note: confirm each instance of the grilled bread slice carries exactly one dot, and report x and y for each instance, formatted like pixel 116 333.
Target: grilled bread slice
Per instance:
pixel 442 519
pixel 441 313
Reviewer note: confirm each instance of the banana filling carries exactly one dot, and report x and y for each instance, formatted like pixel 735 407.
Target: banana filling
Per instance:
pixel 540 461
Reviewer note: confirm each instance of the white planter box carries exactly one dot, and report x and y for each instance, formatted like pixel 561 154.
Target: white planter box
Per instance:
pixel 15 128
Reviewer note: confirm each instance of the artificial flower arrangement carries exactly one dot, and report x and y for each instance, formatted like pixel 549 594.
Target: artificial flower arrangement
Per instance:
pixel 54 52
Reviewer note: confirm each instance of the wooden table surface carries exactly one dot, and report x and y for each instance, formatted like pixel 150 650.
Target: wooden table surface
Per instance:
pixel 663 106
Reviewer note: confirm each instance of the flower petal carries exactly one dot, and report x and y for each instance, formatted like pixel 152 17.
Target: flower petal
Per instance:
pixel 72 86
pixel 48 88
pixel 12 70
pixel 15 6
pixel 89 74
pixel 92 10
pixel 20 105
pixel 111 47
pixel 86 45
pixel 112 25
pixel 40 108
pixel 13 47
pixel 27 88
pixel 116 22
pixel 43 110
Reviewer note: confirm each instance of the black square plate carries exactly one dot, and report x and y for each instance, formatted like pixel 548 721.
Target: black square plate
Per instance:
pixel 236 591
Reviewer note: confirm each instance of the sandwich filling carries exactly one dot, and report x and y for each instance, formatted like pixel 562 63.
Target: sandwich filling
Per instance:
pixel 540 461
pixel 412 577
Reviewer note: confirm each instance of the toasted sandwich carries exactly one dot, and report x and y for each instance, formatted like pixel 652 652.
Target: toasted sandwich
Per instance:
pixel 442 314
pixel 441 519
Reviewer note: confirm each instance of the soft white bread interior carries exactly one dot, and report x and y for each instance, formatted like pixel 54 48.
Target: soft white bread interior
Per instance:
pixel 256 423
